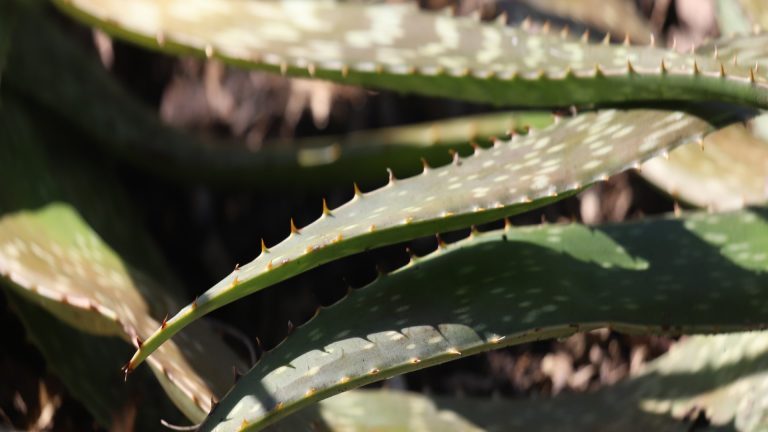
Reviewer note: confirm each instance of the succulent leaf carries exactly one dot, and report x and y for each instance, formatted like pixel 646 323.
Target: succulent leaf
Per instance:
pixel 400 48
pixel 497 289
pixel 92 375
pixel 723 376
pixel 727 171
pixel 510 178
pixel 64 245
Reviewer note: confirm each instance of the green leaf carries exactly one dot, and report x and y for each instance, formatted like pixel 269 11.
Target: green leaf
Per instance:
pixel 510 178
pixel 92 375
pixel 728 171
pixel 724 376
pixel 70 243
pixel 400 48
pixel 701 274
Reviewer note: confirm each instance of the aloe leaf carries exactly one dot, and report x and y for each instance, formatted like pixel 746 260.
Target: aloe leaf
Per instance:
pixel 93 376
pixel 400 48
pixel 499 288
pixel 510 178
pixel 727 171
pixel 723 376
pixel 65 245
pixel 616 17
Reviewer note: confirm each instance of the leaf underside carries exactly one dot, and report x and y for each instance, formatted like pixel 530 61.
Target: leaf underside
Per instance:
pixel 400 48
pixel 724 376
pixel 65 245
pixel 509 178
pixel 700 274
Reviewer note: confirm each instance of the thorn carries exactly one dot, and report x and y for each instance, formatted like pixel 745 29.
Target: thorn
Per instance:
pixel 663 67
pixel 440 242
pixel 751 75
pixel 294 230
pixel 627 42
pixel 194 304
pixel 630 69
pixel 526 23
pixel 164 324
pixel 291 327
pixel 283 68
pixel 264 249
pixel 424 165
pixel 565 32
pixel 372 228
pixel 677 210
pixel 160 38
pixel 653 40
pixel 607 39
pixel 311 69
pixel 716 54
pixel 139 342
pixel 722 70
pixel 391 175
pixel 344 71
pixel 545 27
pixel 598 71
pixel 701 144
pixel 454 156
pixel 357 189
pixel 585 36
pixel 453 351
pixel 208 51
pixel 696 70
pixel 502 19
pixel 326 210
pixel 507 224
pixel 244 424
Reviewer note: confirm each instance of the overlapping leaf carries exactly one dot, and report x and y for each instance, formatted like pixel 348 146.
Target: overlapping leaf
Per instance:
pixel 68 243
pixel 721 378
pixel 401 48
pixel 509 178
pixel 701 274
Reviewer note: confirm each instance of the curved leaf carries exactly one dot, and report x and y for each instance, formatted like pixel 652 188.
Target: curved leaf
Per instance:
pixel 728 171
pixel 400 48
pixel 702 274
pixel 507 179
pixel 65 245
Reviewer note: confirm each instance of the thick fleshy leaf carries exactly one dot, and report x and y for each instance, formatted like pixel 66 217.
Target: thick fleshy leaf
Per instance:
pixel 119 123
pixel 400 48
pixel 700 274
pixel 616 17
pixel 89 366
pixel 65 244
pixel 509 178
pixel 723 377
pixel 728 171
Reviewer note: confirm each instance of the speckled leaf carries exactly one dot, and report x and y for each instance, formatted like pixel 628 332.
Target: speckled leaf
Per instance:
pixel 705 273
pixel 401 48
pixel 728 172
pixel 724 376
pixel 617 17
pixel 66 245
pixel 117 122
pixel 510 178
pixel 92 375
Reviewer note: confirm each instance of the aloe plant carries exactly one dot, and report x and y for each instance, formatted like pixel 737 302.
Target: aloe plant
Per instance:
pixel 699 273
